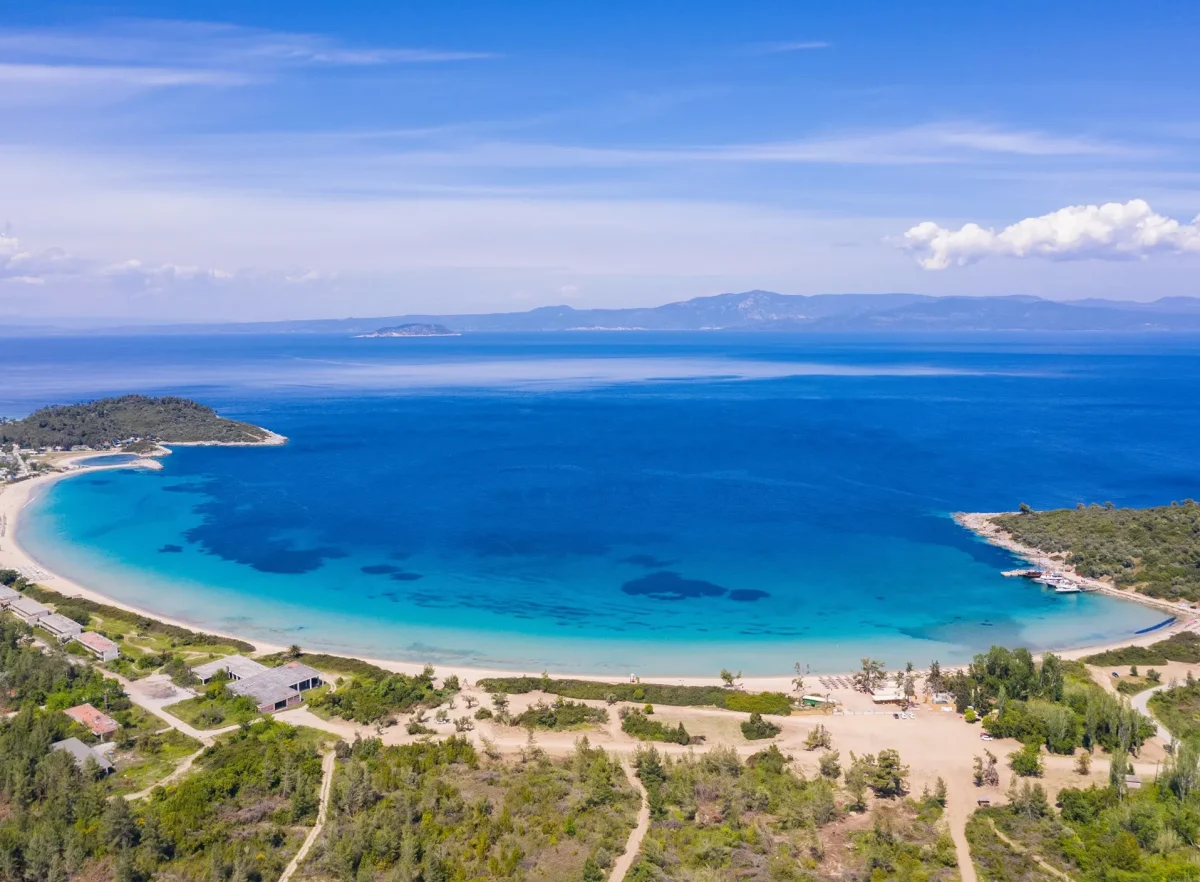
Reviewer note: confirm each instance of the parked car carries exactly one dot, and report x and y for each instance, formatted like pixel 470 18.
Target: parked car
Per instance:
pixel 984 736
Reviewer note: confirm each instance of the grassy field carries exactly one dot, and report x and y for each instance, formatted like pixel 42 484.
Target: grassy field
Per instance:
pixel 151 759
pixel 1178 709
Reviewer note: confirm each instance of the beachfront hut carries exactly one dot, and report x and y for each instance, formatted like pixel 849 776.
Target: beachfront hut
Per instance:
pixel 98 645
pixel 278 688
pixel 60 627
pixel 27 609
pixel 817 701
pixel 82 753
pixel 235 667
pixel 888 696
pixel 7 596
pixel 100 724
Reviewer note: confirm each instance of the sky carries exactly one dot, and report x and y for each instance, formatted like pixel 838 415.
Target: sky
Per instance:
pixel 254 160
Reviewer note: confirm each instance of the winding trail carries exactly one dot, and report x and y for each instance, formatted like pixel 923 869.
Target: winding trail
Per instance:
pixel 1020 849
pixel 1141 702
pixel 633 845
pixel 327 766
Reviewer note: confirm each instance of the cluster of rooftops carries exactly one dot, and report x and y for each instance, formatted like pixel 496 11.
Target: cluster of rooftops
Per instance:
pixel 270 688
pixel 59 626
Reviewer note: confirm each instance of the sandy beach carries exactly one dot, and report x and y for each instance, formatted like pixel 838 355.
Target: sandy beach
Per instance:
pixel 14 498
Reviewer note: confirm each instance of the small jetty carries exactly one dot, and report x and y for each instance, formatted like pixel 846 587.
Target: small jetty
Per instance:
pixel 1023 574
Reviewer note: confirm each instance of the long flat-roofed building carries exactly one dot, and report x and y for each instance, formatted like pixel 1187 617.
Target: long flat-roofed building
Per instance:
pixel 235 667
pixel 98 645
pixel 60 626
pixel 7 596
pixel 27 609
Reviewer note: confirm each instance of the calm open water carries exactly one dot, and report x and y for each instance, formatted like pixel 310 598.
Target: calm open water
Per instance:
pixel 609 503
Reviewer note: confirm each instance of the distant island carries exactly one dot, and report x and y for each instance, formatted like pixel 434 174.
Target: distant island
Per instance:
pixel 130 421
pixel 413 329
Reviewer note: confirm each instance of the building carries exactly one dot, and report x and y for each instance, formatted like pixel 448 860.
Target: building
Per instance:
pixel 278 688
pixel 27 609
pixel 98 645
pixel 98 723
pixel 817 701
pixel 235 667
pixel 60 626
pixel 82 753
pixel 7 596
pixel 887 695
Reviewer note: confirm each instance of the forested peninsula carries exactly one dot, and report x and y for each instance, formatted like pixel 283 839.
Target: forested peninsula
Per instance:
pixel 1155 551
pixel 108 421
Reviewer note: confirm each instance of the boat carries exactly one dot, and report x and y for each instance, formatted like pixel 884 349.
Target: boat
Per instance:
pixel 1067 589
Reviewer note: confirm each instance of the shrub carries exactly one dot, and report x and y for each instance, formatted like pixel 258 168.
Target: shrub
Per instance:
pixel 637 724
pixel 756 728
pixel 1027 762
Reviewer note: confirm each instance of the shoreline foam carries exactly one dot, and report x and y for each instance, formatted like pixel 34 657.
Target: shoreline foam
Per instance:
pixel 14 498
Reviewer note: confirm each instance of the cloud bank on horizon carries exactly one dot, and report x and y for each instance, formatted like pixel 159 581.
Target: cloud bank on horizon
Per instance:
pixel 1113 231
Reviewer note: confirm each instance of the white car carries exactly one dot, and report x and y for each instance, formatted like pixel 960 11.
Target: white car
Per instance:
pixel 984 736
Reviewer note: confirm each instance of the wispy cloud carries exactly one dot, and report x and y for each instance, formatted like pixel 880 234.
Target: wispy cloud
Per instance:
pixel 788 46
pixel 147 54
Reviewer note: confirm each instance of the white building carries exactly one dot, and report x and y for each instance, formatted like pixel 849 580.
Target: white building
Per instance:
pixel 7 596
pixel 27 609
pixel 60 626
pixel 234 667
pixel 98 645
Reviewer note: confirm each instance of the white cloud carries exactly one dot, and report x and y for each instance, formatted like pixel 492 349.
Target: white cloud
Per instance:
pixel 1113 231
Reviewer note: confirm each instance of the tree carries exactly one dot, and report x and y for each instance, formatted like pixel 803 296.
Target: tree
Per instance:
pixel 1118 768
pixel 986 773
pixel 294 651
pixel 500 702
pixel 798 680
pixel 871 677
pixel 891 776
pixel 935 682
pixel 1027 762
pixel 1025 508
pixel 120 828
pixel 729 678
pixel 470 701
pixel 829 765
pixel 818 736
pixel 1083 762
pixel 939 792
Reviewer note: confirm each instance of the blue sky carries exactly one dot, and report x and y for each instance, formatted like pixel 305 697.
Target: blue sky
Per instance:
pixel 261 160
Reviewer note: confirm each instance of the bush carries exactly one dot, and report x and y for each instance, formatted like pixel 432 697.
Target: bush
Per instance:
pixel 655 693
pixel 1027 762
pixel 560 715
pixel 637 724
pixel 756 728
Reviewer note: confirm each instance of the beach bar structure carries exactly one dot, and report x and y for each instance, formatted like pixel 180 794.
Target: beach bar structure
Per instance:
pixel 888 696
pixel 82 753
pixel 7 596
pixel 234 667
pixel 98 723
pixel 98 645
pixel 278 688
pixel 28 610
pixel 62 628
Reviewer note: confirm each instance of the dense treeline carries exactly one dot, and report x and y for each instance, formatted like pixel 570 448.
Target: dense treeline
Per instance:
pixel 102 422
pixel 715 816
pixel 1101 833
pixel 1054 703
pixel 1155 550
pixel 437 812
pixel 654 693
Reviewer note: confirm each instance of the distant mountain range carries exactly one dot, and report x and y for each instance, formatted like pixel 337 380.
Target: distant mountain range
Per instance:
pixel 768 311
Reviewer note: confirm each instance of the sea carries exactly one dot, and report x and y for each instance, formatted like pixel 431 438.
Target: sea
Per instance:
pixel 616 503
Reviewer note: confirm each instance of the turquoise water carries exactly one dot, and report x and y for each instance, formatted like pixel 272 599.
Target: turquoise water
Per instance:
pixel 667 504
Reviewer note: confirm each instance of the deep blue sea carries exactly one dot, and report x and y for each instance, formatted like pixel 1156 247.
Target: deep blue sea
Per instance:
pixel 617 502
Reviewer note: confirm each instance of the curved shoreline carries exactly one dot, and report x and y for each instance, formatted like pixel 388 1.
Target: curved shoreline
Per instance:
pixel 14 498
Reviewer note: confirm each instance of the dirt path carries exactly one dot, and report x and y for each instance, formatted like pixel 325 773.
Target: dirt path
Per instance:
pixel 634 844
pixel 960 804
pixel 182 769
pixel 1020 849
pixel 327 766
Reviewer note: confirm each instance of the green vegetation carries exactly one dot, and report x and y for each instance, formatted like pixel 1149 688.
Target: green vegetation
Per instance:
pixel 1054 703
pixel 562 714
pixel 439 811
pixel 148 758
pixel 1100 834
pixel 215 708
pixel 1183 646
pixel 756 728
pixel 1178 709
pixel 717 817
pixel 654 693
pixel 374 699
pixel 330 664
pixel 1153 550
pixel 108 420
pixel 635 722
